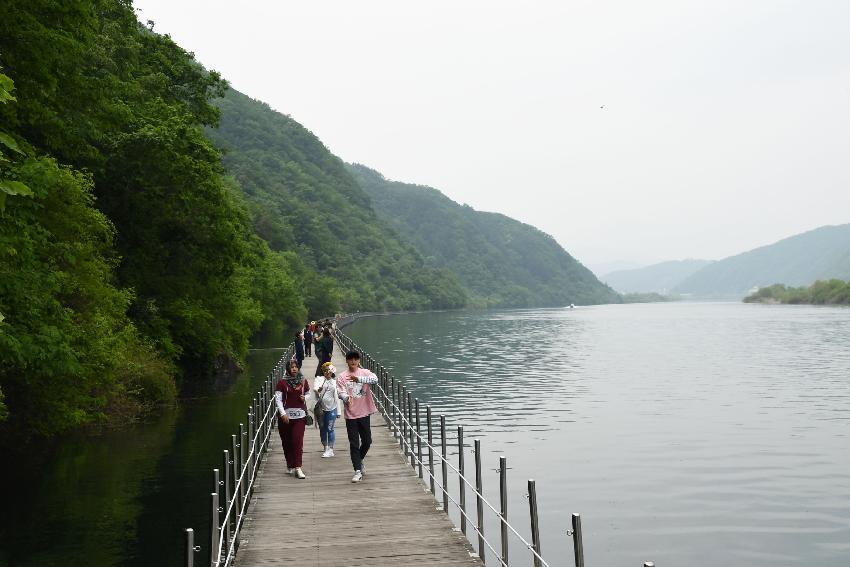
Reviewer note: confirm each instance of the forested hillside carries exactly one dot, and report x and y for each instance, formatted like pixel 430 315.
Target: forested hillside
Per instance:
pixel 800 260
pixel 127 259
pixel 500 261
pixel 657 278
pixel 303 199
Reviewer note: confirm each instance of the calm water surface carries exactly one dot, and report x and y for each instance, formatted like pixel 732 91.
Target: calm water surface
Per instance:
pixel 125 497
pixel 686 434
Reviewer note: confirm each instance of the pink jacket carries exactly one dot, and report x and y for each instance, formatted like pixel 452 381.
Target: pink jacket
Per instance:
pixel 358 395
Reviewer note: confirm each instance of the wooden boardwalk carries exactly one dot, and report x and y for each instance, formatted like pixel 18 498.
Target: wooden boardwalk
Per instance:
pixel 390 518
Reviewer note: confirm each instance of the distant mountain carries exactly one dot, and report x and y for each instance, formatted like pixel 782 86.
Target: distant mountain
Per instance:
pixel 500 261
pixel 658 278
pixel 800 260
pixel 599 268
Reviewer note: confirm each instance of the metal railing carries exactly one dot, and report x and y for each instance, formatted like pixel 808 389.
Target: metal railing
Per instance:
pixel 233 484
pixel 402 413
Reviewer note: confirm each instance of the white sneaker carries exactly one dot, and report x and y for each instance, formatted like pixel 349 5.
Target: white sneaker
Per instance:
pixel 290 471
pixel 358 476
pixel 299 473
pixel 331 452
pixel 326 454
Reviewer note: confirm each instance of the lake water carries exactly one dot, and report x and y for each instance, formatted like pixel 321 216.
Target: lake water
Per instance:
pixel 124 497
pixel 684 433
pixel 687 434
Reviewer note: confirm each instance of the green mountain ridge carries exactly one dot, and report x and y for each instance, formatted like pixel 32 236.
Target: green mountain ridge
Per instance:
pixel 799 260
pixel 499 260
pixel 304 200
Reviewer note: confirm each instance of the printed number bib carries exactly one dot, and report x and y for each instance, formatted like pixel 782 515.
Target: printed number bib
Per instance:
pixel 295 413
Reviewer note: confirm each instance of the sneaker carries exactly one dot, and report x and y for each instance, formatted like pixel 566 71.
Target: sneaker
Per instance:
pixel 290 471
pixel 331 452
pixel 358 476
pixel 299 473
pixel 326 454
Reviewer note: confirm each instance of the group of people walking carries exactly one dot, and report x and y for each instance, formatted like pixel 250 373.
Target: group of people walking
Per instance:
pixel 318 334
pixel 331 396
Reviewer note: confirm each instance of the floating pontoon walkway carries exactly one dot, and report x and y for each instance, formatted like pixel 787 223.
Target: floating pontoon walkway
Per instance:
pixel 390 518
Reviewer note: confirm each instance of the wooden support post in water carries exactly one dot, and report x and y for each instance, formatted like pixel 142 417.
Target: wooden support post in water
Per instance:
pixel 430 445
pixel 418 439
pixel 461 483
pixel 535 529
pixel 578 546
pixel 445 465
pixel 479 501
pixel 503 509
pixel 190 547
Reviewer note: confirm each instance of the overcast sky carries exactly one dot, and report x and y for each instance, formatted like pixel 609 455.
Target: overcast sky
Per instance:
pixel 630 131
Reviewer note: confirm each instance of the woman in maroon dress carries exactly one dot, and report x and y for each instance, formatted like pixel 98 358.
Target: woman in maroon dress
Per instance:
pixel 292 416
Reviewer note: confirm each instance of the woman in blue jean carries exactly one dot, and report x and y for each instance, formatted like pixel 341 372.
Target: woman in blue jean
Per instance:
pixel 328 401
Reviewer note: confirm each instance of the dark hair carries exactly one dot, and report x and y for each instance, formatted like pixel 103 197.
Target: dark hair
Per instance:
pixel 326 332
pixel 352 354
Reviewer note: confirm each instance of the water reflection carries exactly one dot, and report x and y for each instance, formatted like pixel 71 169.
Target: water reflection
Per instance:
pixel 124 497
pixel 687 434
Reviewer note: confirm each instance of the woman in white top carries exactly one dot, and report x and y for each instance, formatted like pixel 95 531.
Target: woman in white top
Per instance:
pixel 327 407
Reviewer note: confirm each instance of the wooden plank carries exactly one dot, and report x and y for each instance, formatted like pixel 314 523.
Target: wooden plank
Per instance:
pixel 389 518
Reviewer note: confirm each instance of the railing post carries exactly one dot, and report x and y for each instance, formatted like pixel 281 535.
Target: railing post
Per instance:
pixel 236 493
pixel 393 406
pixel 445 466
pixel 215 529
pixel 461 476
pixel 190 547
pixel 226 526
pixel 251 455
pixel 479 502
pixel 404 421
pixel 418 439
pixel 410 430
pixel 535 529
pixel 430 445
pixel 503 511
pixel 578 547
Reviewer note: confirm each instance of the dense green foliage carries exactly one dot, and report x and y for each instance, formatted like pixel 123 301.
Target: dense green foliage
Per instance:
pixel 658 278
pixel 304 200
pixel 822 292
pixel 799 260
pixel 500 261
pixel 144 267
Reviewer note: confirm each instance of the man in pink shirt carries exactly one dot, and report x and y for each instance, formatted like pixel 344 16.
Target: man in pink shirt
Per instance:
pixel 354 387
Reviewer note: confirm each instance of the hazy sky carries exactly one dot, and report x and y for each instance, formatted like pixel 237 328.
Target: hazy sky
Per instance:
pixel 639 131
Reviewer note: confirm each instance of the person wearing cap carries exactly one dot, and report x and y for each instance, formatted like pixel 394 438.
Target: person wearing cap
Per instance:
pixel 290 399
pixel 328 404
pixel 354 387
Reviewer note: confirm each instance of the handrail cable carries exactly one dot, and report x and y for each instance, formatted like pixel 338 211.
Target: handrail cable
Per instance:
pixel 437 454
